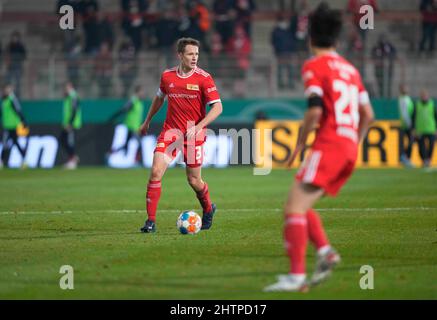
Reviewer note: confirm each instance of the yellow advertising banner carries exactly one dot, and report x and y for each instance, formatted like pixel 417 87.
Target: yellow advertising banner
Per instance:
pixel 380 149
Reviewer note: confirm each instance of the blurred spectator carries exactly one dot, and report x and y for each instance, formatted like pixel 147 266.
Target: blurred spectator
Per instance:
pixel 106 30
pixel 133 20
pixel 224 16
pixel 384 56
pixel 12 118
pixel 299 26
pixel 88 10
pixel 166 36
pixel 428 8
pixel 127 65
pixel 406 109
pixel 103 65
pixel 73 55
pixel 1 57
pixel 244 10
pixel 239 48
pixel 71 123
pixel 217 61
pixel 353 8
pixel 217 47
pixel 15 56
pixel 425 126
pixel 199 22
pixel 282 41
pixel 73 3
pixel 183 22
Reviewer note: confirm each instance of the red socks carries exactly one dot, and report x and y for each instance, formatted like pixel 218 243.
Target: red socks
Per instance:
pixel 153 194
pixel 316 232
pixel 204 199
pixel 296 238
pixel 298 228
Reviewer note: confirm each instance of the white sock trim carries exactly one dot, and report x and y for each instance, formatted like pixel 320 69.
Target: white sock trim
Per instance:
pixel 324 250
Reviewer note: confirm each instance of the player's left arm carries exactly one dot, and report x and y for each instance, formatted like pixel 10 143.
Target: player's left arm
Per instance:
pixel 213 100
pixel 367 116
pixel 214 112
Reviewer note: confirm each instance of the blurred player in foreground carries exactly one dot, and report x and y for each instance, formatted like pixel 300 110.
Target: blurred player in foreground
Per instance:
pixel 13 124
pixel 189 90
pixel 339 104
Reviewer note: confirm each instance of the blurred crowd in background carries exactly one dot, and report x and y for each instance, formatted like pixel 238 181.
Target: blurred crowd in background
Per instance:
pixel 108 45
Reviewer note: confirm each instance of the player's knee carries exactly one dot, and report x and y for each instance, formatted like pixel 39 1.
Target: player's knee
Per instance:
pixel 156 174
pixel 194 181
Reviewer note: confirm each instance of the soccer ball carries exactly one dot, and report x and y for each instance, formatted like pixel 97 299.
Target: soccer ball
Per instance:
pixel 189 222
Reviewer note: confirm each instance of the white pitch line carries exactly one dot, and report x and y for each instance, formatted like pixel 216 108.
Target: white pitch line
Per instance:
pixel 223 210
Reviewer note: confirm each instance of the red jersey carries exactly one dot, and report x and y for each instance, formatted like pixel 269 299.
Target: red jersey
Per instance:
pixel 339 84
pixel 187 97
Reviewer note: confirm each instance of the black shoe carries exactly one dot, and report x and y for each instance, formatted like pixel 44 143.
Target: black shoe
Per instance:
pixel 207 218
pixel 149 227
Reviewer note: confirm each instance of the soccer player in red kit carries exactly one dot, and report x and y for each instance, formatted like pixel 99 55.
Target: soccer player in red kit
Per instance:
pixel 339 104
pixel 189 90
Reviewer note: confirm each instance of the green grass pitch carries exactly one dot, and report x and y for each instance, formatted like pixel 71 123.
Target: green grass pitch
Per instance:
pixel 90 219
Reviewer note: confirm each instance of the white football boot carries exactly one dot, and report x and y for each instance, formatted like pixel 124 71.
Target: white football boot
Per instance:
pixel 288 283
pixel 324 266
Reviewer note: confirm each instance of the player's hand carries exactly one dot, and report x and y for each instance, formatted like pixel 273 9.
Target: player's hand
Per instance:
pixel 144 128
pixel 294 155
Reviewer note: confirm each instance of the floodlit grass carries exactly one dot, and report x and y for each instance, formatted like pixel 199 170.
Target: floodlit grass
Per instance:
pixel 90 219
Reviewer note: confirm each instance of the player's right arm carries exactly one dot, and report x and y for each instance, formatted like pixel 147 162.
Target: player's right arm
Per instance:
pixel 157 103
pixel 314 93
pixel 311 120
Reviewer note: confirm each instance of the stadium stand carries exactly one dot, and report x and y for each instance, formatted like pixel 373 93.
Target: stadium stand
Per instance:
pixel 46 66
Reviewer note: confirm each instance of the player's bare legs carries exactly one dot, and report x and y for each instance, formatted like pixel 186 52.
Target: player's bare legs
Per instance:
pixel 302 197
pixel 301 223
pixel 159 166
pixel 194 177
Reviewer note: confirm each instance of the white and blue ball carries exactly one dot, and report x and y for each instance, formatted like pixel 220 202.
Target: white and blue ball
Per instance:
pixel 189 222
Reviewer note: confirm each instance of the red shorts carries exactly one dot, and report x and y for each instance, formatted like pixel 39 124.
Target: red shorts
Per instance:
pixel 328 170
pixel 193 152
